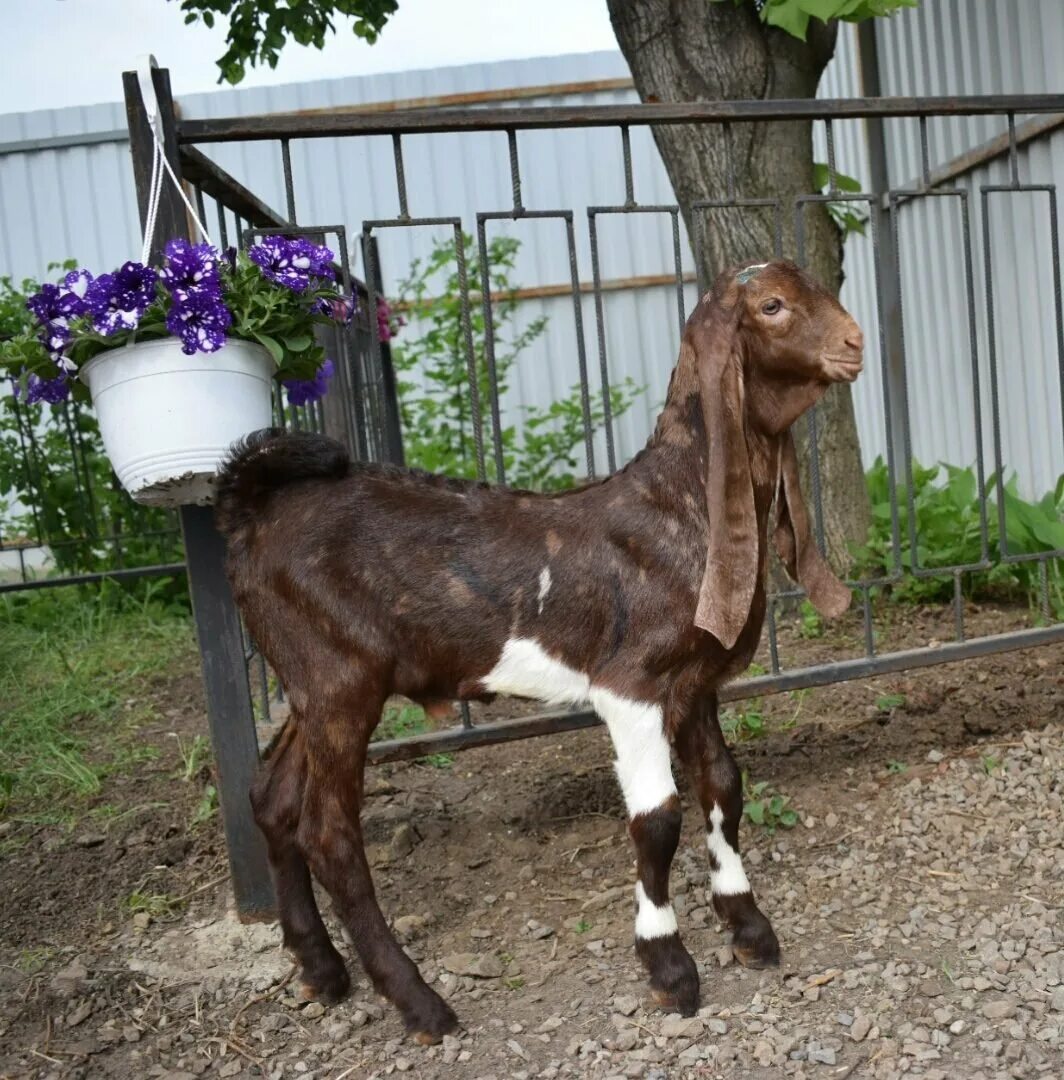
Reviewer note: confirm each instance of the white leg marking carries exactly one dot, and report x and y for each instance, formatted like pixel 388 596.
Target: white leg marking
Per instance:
pixel 524 668
pixel 544 586
pixel 730 877
pixel 652 921
pixel 644 767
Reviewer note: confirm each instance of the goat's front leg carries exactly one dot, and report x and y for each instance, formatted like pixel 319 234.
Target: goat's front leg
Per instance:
pixel 718 782
pixel 644 770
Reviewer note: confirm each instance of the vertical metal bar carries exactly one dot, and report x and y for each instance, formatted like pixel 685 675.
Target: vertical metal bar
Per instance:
pixel 515 170
pixel 229 711
pixel 995 405
pixel 289 187
pixel 925 157
pixel 391 423
pixel 200 210
pixel 729 158
pixel 223 229
pixel 833 181
pixel 400 175
pixel 467 720
pixel 677 258
pixel 626 151
pixel 773 637
pixel 225 675
pixel 888 279
pixel 489 361
pixel 600 329
pixel 867 620
pixel 1014 157
pixel 581 351
pixel 958 606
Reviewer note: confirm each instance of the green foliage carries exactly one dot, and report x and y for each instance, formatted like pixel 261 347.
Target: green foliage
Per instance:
pixel 793 15
pixel 810 624
pixel 896 768
pixel 765 807
pixel 743 724
pixel 57 487
pixel 989 763
pixel 72 676
pixel 259 29
pixel 401 722
pixel 889 702
pixel 948 533
pixel 436 414
pixel 846 215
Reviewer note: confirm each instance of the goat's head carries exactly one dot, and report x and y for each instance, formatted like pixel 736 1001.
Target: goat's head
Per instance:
pixel 766 342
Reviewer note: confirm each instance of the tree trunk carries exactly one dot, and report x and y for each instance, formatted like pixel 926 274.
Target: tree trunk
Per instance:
pixel 697 50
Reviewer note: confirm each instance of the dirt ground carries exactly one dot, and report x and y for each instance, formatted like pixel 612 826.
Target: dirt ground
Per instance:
pixel 917 902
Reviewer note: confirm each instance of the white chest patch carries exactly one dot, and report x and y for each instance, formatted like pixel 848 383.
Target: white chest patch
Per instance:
pixel 544 586
pixel 644 767
pixel 525 669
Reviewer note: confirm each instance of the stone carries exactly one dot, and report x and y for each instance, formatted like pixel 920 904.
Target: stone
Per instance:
pixel 999 1010
pixel 409 926
pixel 477 965
pixel 402 842
pixel 679 1027
pixel 313 1010
pixel 626 1005
pixel 860 1028
pixel 824 1055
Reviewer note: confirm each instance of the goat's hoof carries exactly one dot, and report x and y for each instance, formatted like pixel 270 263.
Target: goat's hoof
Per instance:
pixel 755 945
pixel 673 974
pixel 432 1023
pixel 329 987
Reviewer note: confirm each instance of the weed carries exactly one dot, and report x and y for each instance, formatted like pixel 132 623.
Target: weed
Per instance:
pixel 810 625
pixel 989 763
pixel 194 756
pixel 400 722
pixel 206 807
pixel 515 983
pixel 582 926
pixel 155 904
pixel 895 768
pixel 888 702
pixel 765 807
pixel 34 959
pixel 72 676
pixel 743 724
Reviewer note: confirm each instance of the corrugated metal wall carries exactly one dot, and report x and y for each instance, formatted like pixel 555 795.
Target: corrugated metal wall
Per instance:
pixel 79 201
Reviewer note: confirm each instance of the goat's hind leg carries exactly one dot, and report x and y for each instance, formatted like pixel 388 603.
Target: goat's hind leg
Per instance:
pixel 718 782
pixel 644 770
pixel 277 800
pixel 330 837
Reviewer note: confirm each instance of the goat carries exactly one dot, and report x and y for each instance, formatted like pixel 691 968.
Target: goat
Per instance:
pixel 640 594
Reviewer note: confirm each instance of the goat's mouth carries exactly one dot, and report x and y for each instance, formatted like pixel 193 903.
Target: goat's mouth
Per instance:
pixel 842 368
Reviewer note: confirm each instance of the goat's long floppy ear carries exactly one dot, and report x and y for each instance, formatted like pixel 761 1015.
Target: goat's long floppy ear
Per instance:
pixel 795 544
pixel 732 562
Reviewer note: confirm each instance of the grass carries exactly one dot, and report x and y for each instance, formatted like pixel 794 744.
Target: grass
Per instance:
pixel 400 722
pixel 74 666
pixel 765 807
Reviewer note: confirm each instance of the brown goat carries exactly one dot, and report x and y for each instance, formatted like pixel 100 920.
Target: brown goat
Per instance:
pixel 640 594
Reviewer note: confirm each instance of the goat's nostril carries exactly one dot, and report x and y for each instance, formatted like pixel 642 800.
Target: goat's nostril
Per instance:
pixel 855 340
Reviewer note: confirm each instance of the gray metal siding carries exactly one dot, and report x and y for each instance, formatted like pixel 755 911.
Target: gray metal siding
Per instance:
pixel 79 201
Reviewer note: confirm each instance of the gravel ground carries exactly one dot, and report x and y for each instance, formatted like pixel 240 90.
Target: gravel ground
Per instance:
pixel 918 910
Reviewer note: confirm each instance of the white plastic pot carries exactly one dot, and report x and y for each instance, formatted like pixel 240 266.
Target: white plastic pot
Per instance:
pixel 167 419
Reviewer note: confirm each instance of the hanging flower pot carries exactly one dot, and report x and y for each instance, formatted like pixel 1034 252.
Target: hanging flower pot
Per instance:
pixel 167 419
pixel 180 362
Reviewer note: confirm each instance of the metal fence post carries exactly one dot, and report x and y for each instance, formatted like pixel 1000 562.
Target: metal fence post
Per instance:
pixel 391 424
pixel 225 678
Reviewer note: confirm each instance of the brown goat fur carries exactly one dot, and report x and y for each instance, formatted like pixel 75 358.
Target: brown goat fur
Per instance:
pixel 641 593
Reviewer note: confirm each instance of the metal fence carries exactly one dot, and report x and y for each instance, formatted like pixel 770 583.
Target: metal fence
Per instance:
pixel 361 410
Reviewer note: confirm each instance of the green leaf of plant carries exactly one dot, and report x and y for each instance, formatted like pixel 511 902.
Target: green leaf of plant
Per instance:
pixel 272 345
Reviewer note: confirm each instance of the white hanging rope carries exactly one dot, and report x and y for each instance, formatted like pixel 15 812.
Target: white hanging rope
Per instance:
pixel 151 108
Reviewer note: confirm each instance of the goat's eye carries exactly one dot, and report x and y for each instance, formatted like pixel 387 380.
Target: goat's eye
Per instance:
pixel 770 307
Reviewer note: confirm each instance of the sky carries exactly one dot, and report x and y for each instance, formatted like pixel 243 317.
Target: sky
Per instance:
pixel 72 52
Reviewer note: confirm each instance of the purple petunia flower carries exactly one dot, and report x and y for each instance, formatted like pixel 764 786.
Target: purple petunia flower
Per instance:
pixel 200 320
pixel 304 391
pixel 291 263
pixel 118 301
pixel 340 309
pixel 52 391
pixel 313 259
pixel 190 268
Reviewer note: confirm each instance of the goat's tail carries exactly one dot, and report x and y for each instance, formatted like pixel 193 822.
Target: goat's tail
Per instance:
pixel 266 460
